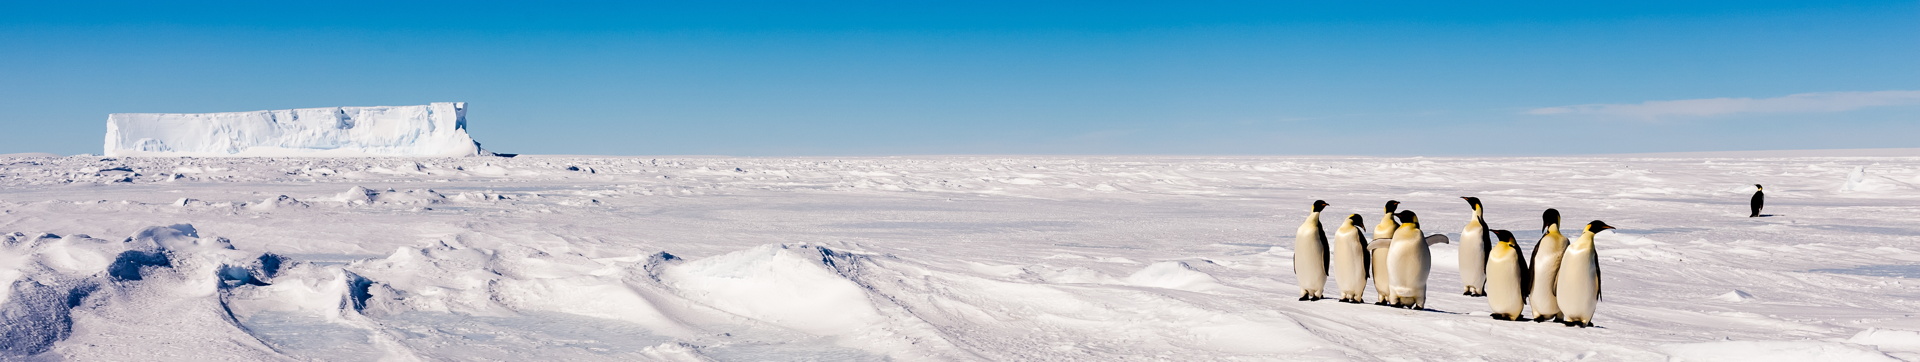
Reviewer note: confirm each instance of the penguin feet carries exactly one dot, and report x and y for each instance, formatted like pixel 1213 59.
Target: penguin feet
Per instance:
pixel 1304 298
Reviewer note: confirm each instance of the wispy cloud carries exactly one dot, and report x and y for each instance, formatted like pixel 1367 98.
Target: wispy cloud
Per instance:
pixel 1709 107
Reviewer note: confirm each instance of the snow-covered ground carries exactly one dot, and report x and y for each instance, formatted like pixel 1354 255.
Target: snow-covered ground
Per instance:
pixel 922 258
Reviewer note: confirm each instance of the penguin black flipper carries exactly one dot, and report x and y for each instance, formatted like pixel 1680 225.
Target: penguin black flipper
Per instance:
pixel 1596 277
pixel 1325 258
pixel 1535 255
pixel 1526 279
pixel 1486 243
pixel 1366 257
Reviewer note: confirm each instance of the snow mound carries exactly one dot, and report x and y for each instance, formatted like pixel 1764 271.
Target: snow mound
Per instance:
pixel 1735 296
pixel 165 283
pixel 434 130
pixel 1175 275
pixel 1859 181
pixel 793 286
pixel 1889 339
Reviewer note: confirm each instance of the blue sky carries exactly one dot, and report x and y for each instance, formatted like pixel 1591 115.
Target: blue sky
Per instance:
pixel 799 78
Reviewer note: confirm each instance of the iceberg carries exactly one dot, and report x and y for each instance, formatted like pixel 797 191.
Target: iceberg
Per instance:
pixel 434 130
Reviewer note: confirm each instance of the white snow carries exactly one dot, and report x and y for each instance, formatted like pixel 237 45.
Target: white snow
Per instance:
pixel 433 130
pixel 922 258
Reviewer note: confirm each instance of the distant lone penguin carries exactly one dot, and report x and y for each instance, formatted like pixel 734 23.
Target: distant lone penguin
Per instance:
pixel 1310 254
pixel 1759 200
pixel 1474 245
pixel 1579 285
pixel 1377 253
pixel 1546 263
pixel 1350 259
pixel 1409 262
pixel 1507 278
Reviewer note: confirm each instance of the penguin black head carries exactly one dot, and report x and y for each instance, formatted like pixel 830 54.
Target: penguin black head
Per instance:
pixel 1392 205
pixel 1407 217
pixel 1355 218
pixel 1475 201
pixel 1757 186
pixel 1505 236
pixel 1319 205
pixel 1597 225
pixel 1547 219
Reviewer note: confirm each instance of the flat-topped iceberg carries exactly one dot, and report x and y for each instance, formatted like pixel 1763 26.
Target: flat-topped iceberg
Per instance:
pixel 434 130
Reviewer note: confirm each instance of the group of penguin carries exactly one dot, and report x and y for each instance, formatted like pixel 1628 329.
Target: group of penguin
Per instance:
pixel 1562 283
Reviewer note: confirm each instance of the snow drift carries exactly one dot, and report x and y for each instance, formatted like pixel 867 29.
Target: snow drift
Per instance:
pixel 434 130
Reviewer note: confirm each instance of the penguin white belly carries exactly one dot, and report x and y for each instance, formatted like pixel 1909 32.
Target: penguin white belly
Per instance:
pixel 1410 261
pixel 1578 288
pixel 1310 260
pixel 1350 265
pixel 1546 266
pixel 1382 278
pixel 1504 278
pixel 1473 258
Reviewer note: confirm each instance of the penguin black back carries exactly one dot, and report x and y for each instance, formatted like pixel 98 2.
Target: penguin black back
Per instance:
pixel 1759 200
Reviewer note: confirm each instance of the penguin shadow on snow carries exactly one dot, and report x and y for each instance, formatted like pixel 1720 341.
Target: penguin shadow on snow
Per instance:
pixel 1431 310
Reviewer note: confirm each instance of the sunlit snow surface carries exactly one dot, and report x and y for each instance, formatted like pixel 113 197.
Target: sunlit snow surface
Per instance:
pixel 947 258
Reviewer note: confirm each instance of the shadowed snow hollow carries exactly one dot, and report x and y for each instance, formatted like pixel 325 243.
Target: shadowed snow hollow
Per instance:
pixel 433 130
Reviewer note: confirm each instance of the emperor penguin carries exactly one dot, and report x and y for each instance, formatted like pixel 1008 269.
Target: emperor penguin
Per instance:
pixel 1546 264
pixel 1408 261
pixel 1377 253
pixel 1474 246
pixel 1507 278
pixel 1350 259
pixel 1579 287
pixel 1759 200
pixel 1310 254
